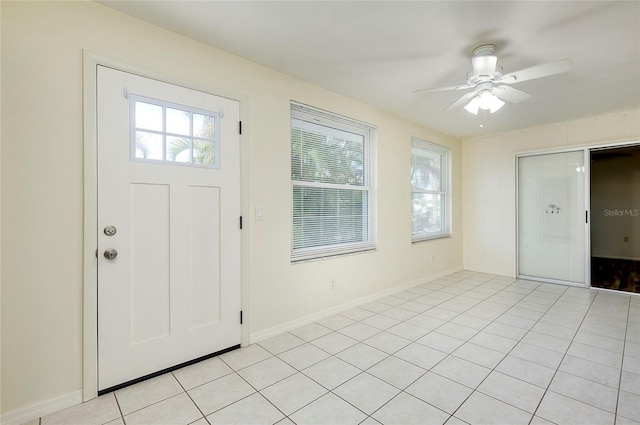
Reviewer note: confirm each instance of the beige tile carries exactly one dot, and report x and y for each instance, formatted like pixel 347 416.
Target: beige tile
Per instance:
pixel 281 343
pixel 293 393
pixel 387 342
pixel 358 313
pixel 482 409
pixel 336 322
pixel 407 410
pixel 421 355
pixel 202 372
pixel 303 356
pixel 539 355
pixel 494 342
pixel 334 342
pixel 441 342
pixel 147 392
pixel 408 331
pixel 311 331
pixel 329 410
pixel 560 409
pixel 480 355
pixel 461 371
pixel 629 406
pixel 97 411
pixel 590 370
pixel 177 410
pixel 546 341
pixel 438 391
pixel 630 382
pixel 245 356
pixel 251 410
pixel 527 371
pixel 220 393
pixel 396 372
pixel 359 331
pixel 399 313
pixel 366 392
pixel 331 372
pixel 380 322
pixel 427 322
pixel 267 372
pixel 595 354
pixel 362 356
pixel 512 391
pixel 457 331
pixel 376 307
pixel 440 313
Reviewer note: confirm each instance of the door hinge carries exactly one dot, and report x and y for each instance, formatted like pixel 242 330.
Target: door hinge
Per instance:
pixel 241 317
pixel 586 217
pixel 240 127
pixel 240 222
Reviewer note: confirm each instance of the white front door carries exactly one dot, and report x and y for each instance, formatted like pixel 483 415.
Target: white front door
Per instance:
pixel 169 218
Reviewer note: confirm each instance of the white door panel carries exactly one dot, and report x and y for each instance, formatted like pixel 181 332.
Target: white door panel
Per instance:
pixel 173 292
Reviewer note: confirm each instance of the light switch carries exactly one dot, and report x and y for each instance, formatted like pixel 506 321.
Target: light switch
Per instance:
pixel 259 213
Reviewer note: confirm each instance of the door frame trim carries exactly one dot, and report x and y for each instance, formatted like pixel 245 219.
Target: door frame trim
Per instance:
pixel 90 61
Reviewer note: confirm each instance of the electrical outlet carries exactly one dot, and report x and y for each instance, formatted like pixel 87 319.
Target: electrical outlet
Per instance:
pixel 626 238
pixel 433 257
pixel 333 283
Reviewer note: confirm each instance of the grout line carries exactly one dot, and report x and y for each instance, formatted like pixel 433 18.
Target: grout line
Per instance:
pixel 190 398
pixel 119 408
pixel 624 344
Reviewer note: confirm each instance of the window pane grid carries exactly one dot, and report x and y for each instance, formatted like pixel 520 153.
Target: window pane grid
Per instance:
pixel 164 132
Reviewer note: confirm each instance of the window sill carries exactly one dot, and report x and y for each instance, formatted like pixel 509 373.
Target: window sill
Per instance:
pixel 430 238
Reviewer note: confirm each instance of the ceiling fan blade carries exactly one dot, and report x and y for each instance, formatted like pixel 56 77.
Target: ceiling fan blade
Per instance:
pixel 511 94
pixel 538 71
pixel 460 87
pixel 464 99
pixel 484 66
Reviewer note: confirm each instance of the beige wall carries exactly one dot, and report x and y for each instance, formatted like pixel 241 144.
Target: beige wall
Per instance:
pixel 489 167
pixel 42 187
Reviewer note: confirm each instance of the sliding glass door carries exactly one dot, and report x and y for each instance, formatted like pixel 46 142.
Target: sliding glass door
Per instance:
pixel 551 217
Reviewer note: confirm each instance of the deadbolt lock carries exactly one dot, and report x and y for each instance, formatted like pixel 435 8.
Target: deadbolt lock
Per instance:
pixel 110 230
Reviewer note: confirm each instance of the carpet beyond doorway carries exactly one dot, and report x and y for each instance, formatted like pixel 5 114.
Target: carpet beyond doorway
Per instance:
pixel 621 275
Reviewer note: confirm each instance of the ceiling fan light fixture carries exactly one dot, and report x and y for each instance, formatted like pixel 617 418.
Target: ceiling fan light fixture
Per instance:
pixel 473 105
pixel 485 100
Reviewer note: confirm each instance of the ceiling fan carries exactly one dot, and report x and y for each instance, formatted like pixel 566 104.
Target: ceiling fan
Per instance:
pixel 491 88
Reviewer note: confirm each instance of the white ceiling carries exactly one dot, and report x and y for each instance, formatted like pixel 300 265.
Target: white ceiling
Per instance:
pixel 380 52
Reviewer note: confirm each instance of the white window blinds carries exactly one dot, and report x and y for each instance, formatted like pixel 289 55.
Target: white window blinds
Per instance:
pixel 332 195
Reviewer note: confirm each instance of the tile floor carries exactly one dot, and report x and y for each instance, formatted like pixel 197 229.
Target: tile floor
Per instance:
pixel 469 348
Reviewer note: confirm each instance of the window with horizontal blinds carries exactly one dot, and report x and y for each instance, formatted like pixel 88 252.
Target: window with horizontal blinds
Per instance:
pixel 331 180
pixel 430 191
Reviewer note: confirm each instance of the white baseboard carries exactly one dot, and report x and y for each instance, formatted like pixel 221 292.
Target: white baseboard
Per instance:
pixel 314 317
pixel 37 410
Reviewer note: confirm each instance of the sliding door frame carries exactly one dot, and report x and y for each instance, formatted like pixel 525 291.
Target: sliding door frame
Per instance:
pixel 587 190
pixel 587 200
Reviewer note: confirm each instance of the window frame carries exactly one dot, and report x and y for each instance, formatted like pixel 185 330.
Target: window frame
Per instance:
pixel 133 129
pixel 419 147
pixel 333 122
